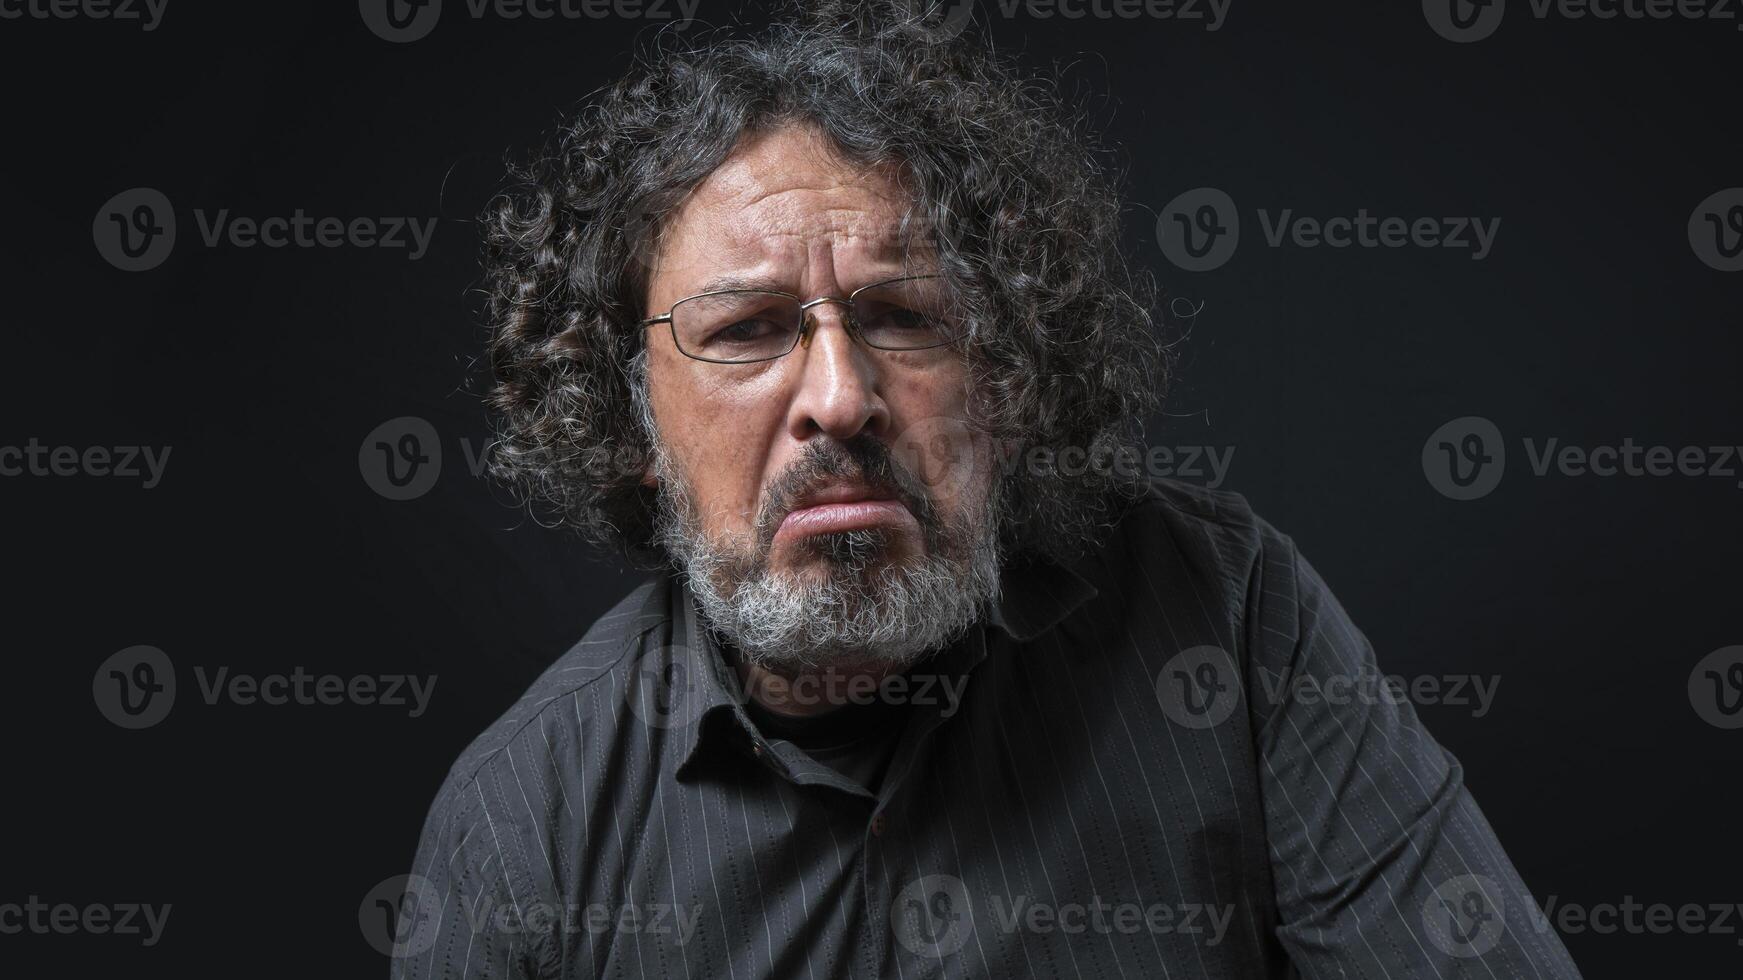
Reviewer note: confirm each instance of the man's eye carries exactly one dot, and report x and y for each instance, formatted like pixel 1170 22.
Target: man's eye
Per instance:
pixel 897 319
pixel 745 331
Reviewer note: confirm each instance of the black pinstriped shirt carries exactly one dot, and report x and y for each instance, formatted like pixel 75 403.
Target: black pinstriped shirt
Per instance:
pixel 1116 775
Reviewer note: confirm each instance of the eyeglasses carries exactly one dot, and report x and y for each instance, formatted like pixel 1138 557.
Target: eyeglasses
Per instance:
pixel 743 326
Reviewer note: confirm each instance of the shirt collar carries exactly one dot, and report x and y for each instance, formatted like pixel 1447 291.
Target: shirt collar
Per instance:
pixel 1036 594
pixel 705 685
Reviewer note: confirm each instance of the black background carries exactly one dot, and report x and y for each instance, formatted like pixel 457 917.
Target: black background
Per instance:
pixel 264 549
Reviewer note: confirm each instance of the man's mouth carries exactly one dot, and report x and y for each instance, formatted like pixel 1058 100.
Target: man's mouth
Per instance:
pixel 844 507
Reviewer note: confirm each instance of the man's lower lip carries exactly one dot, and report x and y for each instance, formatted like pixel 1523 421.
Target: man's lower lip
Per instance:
pixel 849 516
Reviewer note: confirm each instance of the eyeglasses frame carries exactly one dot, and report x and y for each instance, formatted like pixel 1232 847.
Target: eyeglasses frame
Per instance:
pixel 805 322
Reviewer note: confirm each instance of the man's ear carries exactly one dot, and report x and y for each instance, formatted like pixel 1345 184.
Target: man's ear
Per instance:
pixel 648 478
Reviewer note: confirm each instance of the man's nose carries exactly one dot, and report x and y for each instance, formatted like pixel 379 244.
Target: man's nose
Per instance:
pixel 840 383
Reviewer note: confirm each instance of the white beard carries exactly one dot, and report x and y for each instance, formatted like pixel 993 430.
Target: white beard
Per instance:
pixel 866 611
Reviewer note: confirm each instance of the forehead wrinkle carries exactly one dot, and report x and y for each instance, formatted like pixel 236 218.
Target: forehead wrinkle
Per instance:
pixel 879 239
pixel 737 217
pixel 880 247
pixel 800 218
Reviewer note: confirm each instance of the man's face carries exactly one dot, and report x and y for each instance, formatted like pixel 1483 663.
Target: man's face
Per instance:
pixel 795 477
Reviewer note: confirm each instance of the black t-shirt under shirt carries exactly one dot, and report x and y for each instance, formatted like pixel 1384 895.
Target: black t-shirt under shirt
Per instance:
pixel 855 739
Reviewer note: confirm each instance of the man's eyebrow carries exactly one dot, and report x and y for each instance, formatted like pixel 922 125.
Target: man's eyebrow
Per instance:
pixel 766 284
pixel 772 284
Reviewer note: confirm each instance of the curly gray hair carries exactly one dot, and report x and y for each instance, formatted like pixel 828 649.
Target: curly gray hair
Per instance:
pixel 1014 196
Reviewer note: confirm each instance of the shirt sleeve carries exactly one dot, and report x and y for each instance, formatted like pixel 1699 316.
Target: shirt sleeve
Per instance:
pixel 461 915
pixel 1383 864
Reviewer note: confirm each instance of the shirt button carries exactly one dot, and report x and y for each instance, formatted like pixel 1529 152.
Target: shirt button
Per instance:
pixel 877 826
pixel 756 749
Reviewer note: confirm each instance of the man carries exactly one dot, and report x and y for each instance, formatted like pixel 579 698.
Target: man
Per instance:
pixel 814 321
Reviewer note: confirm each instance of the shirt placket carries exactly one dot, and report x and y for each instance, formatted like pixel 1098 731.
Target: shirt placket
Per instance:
pixel 889 849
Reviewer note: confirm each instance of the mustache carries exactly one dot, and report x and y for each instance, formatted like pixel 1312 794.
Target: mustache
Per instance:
pixel 862 459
